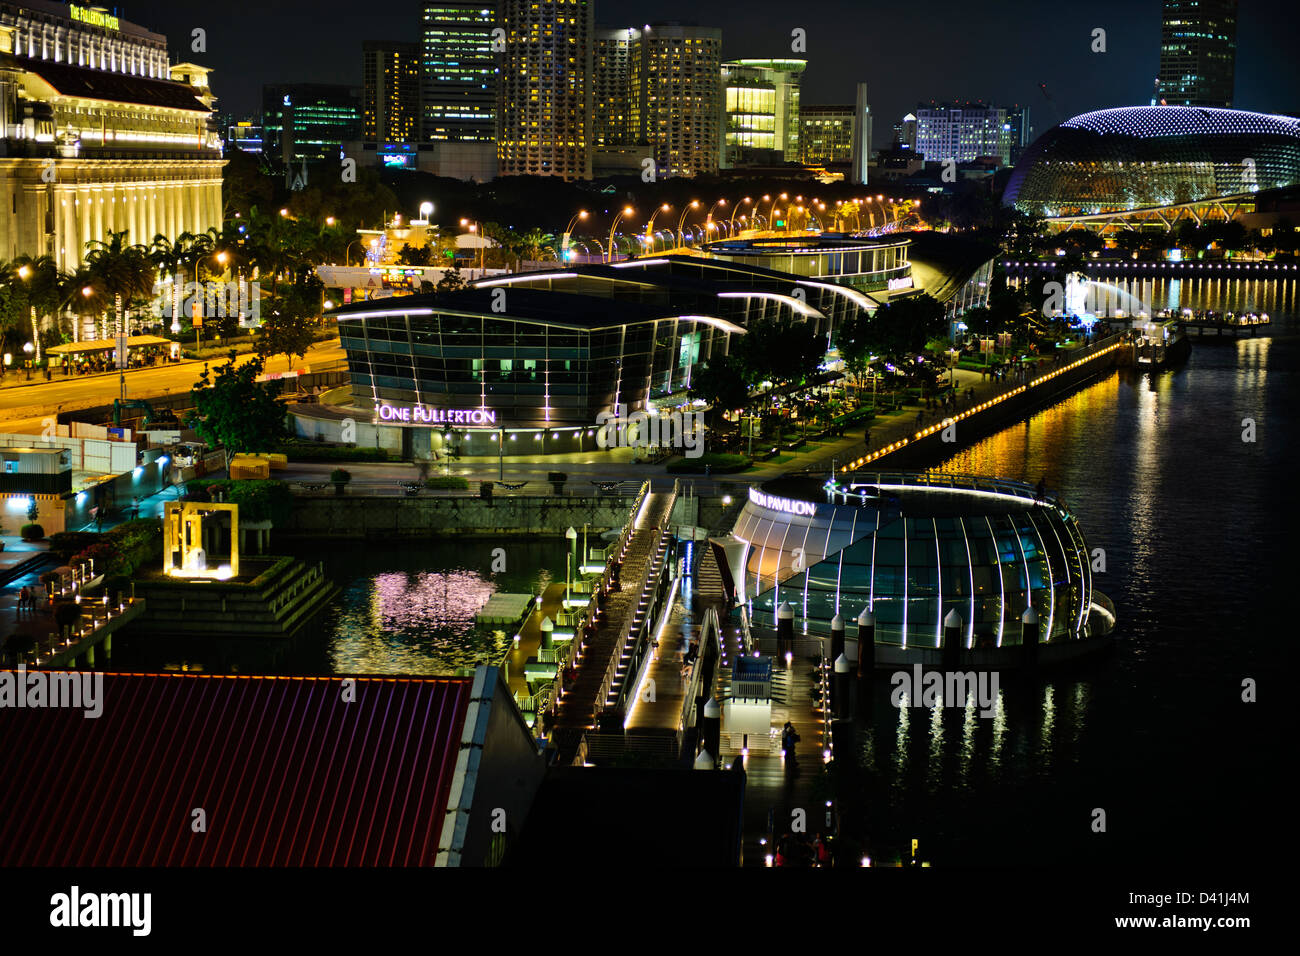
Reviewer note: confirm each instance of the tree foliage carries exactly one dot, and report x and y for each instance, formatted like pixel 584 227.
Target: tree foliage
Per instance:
pixel 235 411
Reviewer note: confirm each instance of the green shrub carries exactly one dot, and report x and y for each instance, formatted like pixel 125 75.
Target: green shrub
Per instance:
pixel 447 483
pixel 32 532
pixel 259 499
pixel 312 451
pixel 340 476
pixel 718 463
pixel 65 544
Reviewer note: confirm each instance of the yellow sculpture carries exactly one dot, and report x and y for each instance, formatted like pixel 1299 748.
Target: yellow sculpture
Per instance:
pixel 183 537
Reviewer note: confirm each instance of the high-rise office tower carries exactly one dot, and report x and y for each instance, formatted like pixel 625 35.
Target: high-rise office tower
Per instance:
pixel 390 94
pixel 675 76
pixel 459 70
pixel 1198 52
pixel 837 136
pixel 545 88
pixel 962 132
pixel 761 111
pixel 308 122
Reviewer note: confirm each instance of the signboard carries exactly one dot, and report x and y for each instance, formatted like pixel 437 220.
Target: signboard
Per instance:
pixel 788 505
pixel 95 17
pixel 425 415
pixel 121 351
pixel 198 315
pixel 347 296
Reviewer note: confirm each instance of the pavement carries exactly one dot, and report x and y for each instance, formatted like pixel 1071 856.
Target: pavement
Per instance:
pixel 24 403
pixel 584 467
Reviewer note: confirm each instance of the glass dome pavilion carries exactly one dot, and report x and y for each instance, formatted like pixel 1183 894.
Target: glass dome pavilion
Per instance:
pixel 1137 157
pixel 912 548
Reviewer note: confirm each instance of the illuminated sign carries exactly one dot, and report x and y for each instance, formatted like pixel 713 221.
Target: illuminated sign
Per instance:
pixel 424 415
pixel 788 505
pixel 904 282
pixel 94 17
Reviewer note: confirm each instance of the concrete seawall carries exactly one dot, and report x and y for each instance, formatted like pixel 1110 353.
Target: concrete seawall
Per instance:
pixel 359 516
pixel 939 441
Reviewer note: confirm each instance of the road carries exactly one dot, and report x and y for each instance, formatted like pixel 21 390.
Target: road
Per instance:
pixel 27 403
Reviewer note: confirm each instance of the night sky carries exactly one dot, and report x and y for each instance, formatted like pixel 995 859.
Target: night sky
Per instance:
pixel 998 50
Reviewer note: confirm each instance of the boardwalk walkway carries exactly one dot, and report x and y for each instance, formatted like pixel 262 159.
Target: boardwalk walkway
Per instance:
pixel 580 704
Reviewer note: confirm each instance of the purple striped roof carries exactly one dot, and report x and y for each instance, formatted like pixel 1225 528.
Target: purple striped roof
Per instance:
pixel 287 773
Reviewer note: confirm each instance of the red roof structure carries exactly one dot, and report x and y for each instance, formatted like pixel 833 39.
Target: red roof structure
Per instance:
pixel 286 770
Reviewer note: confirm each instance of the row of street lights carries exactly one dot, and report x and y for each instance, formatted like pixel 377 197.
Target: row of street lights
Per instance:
pixel 807 211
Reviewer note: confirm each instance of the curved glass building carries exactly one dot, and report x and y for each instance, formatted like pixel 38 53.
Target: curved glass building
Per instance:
pixel 912 548
pixel 1119 160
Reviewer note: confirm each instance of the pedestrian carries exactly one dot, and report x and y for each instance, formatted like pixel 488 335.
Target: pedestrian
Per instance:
pixel 1040 490
pixel 823 852
pixel 23 597
pixel 866 437
pixel 920 415
pixel 135 506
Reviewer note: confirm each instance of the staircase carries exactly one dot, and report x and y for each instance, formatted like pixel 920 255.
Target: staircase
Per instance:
pixel 625 612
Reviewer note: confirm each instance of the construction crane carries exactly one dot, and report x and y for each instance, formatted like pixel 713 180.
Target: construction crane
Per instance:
pixel 1055 109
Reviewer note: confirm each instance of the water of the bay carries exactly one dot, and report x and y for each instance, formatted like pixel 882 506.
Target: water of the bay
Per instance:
pixel 408 608
pixel 1194 515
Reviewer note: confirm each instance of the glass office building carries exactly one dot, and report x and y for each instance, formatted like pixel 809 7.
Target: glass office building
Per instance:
pixel 1118 160
pixel 912 548
pixel 554 349
pixel 870 265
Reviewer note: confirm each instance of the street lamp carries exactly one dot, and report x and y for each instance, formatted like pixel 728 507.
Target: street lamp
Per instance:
pixel 626 211
pixel 27 347
pixel 772 209
pixel 744 202
pixel 473 227
pixel 568 231
pixel 650 226
pixel 681 220
pixel 426 210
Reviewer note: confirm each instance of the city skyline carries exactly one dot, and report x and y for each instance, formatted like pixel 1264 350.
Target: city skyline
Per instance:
pixel 1052 46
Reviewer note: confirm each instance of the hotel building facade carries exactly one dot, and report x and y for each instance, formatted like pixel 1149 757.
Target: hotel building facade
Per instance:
pixel 545 89
pixel 99 133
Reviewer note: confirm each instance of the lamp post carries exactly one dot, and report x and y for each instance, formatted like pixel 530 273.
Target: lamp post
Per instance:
pixel 650 226
pixel 27 348
pixel 744 202
pixel 568 231
pixel 626 211
pixel 681 220
pixel 771 211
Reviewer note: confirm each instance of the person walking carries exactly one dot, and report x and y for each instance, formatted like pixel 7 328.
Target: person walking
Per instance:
pixel 23 597
pixel 1040 490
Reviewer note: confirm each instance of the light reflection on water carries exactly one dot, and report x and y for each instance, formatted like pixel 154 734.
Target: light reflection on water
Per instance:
pixel 1191 520
pixel 411 610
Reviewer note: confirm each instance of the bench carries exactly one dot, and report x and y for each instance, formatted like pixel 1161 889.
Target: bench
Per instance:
pixel 410 488
pixel 313 486
pixel 509 487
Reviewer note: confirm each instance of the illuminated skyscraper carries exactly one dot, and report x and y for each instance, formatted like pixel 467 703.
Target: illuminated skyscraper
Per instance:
pixel 761 111
pixel 1198 52
pixel 390 102
pixel 545 89
pixel 460 70
pixel 612 86
pixel 676 106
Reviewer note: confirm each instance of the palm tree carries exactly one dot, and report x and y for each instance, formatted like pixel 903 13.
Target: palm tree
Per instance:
pixel 80 295
pixel 125 272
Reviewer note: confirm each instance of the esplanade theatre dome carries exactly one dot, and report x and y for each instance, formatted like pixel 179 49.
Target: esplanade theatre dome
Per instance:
pixel 1152 156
